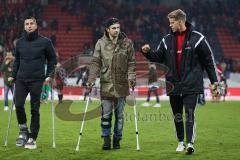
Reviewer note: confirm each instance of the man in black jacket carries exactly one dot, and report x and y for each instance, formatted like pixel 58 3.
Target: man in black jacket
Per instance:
pixel 186 53
pixel 32 52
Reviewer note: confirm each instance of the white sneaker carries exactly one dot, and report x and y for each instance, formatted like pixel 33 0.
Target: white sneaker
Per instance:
pixel 180 147
pixel 146 104
pixel 190 148
pixel 31 144
pixel 6 108
pixel 157 105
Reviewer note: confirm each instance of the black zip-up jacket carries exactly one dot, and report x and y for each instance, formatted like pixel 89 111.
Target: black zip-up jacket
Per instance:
pixel 196 56
pixel 32 52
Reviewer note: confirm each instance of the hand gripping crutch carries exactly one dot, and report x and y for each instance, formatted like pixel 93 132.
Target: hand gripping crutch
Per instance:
pixel 10 117
pixel 84 116
pixel 135 117
pixel 53 113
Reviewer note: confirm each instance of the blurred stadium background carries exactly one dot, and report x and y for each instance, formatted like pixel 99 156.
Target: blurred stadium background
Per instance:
pixel 75 25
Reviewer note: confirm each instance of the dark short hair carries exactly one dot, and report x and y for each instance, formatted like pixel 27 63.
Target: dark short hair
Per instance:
pixel 30 17
pixel 110 21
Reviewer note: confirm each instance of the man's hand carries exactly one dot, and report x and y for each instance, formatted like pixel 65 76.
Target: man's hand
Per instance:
pixel 48 79
pixel 217 89
pixel 132 83
pixel 10 79
pixel 213 86
pixel 146 48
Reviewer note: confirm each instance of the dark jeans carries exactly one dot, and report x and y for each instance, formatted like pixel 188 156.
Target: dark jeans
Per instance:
pixel 189 102
pixel 22 90
pixel 6 90
pixel 108 105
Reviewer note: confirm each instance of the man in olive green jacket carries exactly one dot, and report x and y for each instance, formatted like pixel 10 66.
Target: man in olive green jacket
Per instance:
pixel 114 61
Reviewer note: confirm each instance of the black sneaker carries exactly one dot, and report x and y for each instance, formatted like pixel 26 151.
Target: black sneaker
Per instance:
pixel 107 143
pixel 116 143
pixel 190 149
pixel 31 144
pixel 22 138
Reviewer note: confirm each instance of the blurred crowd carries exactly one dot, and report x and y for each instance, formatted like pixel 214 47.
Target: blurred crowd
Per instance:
pixel 147 17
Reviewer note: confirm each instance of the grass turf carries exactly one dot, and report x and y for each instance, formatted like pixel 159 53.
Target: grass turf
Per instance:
pixel 217 134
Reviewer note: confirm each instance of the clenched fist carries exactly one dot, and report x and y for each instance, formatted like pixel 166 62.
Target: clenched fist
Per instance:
pixel 146 48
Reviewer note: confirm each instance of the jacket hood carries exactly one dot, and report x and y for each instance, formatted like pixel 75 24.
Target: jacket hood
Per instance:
pixel 121 36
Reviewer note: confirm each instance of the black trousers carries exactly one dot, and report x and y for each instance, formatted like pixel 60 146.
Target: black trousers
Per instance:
pixel 189 102
pixel 155 91
pixel 21 92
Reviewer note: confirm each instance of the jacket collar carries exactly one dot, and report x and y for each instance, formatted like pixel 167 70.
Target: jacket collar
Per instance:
pixel 121 37
pixel 31 36
pixel 189 27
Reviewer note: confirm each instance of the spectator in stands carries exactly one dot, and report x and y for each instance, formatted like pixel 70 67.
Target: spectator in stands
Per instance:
pixel 54 24
pixel 69 29
pixel 113 57
pixel 44 24
pixel 185 52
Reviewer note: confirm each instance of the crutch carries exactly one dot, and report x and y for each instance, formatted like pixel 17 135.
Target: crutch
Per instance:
pixel 135 117
pixel 84 116
pixel 53 112
pixel 10 118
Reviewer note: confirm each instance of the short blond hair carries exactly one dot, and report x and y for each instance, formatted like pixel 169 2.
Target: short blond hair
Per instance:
pixel 177 14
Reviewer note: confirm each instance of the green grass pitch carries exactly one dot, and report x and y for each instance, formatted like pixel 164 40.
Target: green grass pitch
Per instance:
pixel 218 138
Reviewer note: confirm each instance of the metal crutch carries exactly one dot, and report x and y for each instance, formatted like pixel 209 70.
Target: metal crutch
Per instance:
pixel 53 112
pixel 84 116
pixel 135 118
pixel 10 118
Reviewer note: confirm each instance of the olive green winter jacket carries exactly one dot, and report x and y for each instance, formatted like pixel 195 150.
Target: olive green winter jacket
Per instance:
pixel 116 65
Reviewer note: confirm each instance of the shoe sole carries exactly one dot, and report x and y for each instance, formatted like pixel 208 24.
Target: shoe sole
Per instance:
pixel 30 147
pixel 180 150
pixel 20 145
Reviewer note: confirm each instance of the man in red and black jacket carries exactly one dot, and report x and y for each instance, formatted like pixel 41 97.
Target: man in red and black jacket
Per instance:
pixel 186 53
